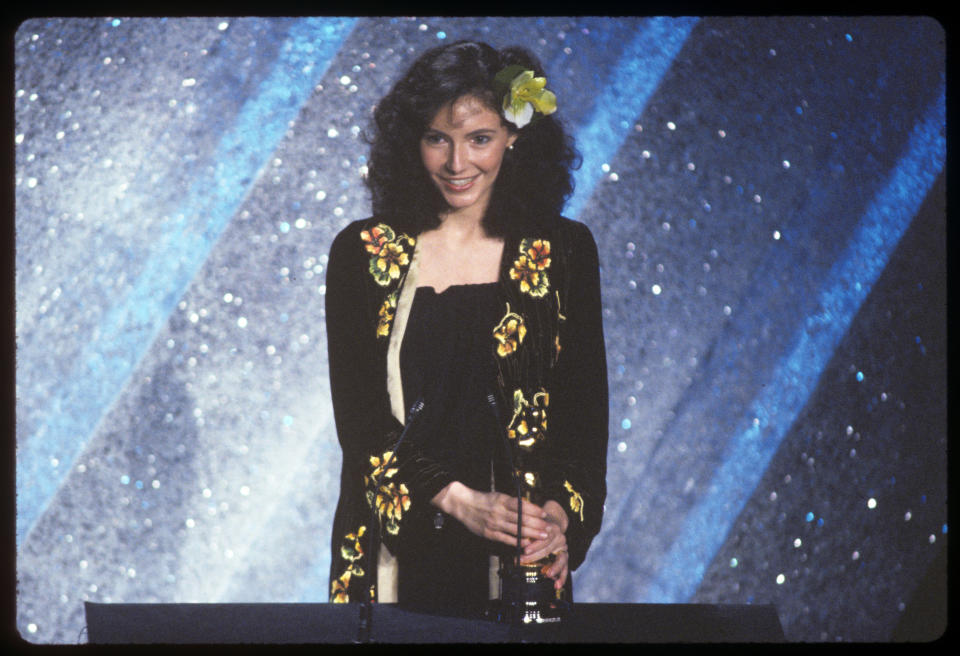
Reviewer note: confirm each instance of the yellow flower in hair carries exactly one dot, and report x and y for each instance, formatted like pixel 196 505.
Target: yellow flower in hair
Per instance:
pixel 526 95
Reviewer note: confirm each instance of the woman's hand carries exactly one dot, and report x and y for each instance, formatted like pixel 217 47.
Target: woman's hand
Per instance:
pixel 493 515
pixel 554 543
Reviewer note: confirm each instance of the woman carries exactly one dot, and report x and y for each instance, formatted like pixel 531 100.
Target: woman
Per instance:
pixel 468 292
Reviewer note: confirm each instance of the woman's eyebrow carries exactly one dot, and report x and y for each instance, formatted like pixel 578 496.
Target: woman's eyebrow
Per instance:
pixel 472 133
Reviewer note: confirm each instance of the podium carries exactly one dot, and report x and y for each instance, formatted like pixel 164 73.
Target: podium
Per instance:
pixel 253 623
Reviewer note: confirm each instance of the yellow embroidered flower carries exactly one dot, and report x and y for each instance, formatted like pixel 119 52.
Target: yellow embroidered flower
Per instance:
pixel 527 94
pixel 386 314
pixel 386 264
pixel 352 548
pixel 529 423
pixel 377 473
pixel 391 502
pixel 339 589
pixel 389 252
pixel 576 501
pixel 556 338
pixel 509 333
pixel 390 499
pixel 532 282
pixel 530 268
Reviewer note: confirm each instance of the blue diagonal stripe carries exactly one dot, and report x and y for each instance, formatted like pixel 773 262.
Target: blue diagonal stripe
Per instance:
pixel 795 377
pixel 635 77
pixel 126 331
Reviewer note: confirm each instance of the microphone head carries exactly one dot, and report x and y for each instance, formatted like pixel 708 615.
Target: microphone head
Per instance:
pixel 417 407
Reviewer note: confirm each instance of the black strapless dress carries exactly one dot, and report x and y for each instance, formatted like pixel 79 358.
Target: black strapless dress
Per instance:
pixel 447 360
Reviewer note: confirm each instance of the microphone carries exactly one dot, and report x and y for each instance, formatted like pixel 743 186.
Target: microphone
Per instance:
pixel 365 626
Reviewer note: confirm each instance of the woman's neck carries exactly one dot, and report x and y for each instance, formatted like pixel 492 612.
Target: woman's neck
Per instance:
pixel 462 226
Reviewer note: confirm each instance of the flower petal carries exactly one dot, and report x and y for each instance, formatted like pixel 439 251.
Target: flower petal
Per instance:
pixel 545 102
pixel 519 116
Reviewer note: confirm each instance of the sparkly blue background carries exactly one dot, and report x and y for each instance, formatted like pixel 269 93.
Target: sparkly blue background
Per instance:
pixel 768 199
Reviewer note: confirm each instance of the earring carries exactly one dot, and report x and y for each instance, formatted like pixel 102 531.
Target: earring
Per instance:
pixel 510 147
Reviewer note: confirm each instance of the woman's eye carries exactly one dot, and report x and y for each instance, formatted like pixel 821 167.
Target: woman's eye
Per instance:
pixel 432 138
pixel 481 139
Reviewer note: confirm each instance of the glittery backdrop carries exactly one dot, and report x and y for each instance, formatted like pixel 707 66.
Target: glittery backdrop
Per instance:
pixel 768 199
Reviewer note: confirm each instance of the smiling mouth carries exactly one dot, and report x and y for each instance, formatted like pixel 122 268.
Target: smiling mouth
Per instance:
pixel 458 184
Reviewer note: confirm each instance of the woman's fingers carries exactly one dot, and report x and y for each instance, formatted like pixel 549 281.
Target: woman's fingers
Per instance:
pixel 543 548
pixel 493 515
pixel 553 540
pixel 533 527
pixel 559 569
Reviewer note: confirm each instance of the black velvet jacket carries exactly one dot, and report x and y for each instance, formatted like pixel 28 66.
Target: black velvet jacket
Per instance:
pixel 552 387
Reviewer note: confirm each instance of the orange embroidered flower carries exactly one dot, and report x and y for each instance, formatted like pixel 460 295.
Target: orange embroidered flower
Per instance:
pixel 509 333
pixel 376 237
pixel 537 251
pixel 529 423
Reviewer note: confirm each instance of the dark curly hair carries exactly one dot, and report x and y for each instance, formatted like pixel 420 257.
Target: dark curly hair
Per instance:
pixel 534 179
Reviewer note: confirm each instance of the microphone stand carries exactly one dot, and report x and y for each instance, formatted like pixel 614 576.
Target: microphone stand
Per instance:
pixel 515 613
pixel 365 624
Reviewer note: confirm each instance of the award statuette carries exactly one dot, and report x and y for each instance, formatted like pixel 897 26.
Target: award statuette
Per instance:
pixel 526 593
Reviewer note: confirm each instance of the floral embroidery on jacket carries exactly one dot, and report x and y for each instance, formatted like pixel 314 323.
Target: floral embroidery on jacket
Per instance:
pixel 530 269
pixel 388 252
pixel 509 333
pixel 390 499
pixel 576 501
pixel 529 423
pixel 386 313
pixel 351 550
pixel 556 338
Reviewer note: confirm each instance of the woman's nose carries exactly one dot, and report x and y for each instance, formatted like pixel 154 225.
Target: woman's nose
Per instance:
pixel 455 158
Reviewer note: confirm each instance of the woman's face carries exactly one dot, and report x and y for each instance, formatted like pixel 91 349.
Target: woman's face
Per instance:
pixel 462 149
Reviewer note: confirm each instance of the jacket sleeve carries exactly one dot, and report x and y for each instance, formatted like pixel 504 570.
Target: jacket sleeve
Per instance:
pixel 579 409
pixel 360 404
pixel 366 428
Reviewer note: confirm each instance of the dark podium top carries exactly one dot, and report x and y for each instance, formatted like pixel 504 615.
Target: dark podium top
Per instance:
pixel 338 623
